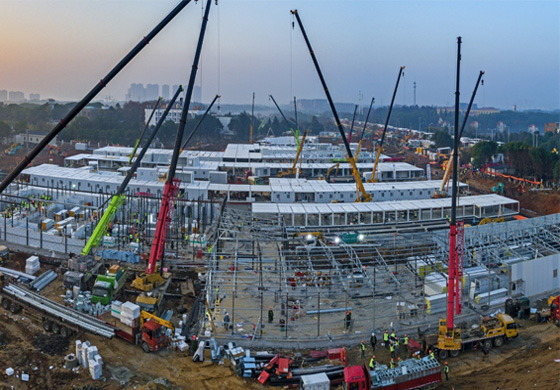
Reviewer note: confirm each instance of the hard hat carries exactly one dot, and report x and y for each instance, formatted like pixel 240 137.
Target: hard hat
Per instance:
pixel 445 362
pixel 362 341
pixel 374 356
pixel 405 335
pixel 386 331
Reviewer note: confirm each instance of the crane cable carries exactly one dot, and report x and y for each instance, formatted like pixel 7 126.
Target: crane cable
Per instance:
pixel 291 54
pixel 219 58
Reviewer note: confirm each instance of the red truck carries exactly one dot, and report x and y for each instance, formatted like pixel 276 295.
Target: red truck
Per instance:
pixel 410 374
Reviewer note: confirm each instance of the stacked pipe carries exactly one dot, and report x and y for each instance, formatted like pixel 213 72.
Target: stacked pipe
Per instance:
pixel 42 281
pixel 88 323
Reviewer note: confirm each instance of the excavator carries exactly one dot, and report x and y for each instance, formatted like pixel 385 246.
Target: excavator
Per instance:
pixel 441 193
pixel 152 277
pixel 362 195
pixel 335 166
pixel 293 171
pixel 372 178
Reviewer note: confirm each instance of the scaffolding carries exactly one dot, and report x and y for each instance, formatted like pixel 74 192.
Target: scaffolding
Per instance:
pixel 309 284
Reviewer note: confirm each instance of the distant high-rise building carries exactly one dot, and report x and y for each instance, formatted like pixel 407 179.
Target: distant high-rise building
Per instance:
pixel 137 93
pixel 197 91
pixel 152 92
pixel 34 97
pixel 16 96
pixel 165 91
pixel 3 95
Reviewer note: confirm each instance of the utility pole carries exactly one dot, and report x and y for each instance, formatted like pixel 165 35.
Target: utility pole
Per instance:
pixel 414 93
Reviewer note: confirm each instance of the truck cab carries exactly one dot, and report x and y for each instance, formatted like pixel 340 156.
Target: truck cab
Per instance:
pixel 107 286
pixel 153 336
pixel 357 378
pixel 500 325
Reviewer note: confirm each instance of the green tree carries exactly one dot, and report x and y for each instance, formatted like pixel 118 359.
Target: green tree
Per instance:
pixel 482 152
pixel 442 139
pixel 240 124
pixel 5 129
pixel 315 127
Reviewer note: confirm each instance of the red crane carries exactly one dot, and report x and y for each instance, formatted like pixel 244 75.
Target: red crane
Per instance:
pixel 171 188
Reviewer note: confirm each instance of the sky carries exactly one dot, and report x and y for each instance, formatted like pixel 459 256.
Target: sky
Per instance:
pixel 61 49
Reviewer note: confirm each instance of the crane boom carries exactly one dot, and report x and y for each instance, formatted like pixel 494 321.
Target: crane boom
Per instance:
pixel 89 97
pixel 363 131
pixel 199 122
pixel 118 199
pixel 144 130
pixel 363 196
pixel 378 153
pixel 171 188
pixel 296 135
pixel 446 175
pixel 352 125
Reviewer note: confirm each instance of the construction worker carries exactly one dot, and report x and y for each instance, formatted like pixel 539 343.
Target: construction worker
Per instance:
pixel 446 370
pixel 270 315
pixel 363 349
pixel 372 363
pixel 393 335
pixel 226 321
pixel 398 361
pixel 431 353
pixel 405 341
pixel 392 363
pixel 386 339
pixel 397 345
pixel 392 349
pixel 348 320
pixel 373 341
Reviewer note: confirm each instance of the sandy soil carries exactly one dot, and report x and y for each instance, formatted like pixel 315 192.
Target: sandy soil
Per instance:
pixel 523 363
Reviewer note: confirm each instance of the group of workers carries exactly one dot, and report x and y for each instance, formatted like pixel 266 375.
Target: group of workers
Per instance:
pixel 392 343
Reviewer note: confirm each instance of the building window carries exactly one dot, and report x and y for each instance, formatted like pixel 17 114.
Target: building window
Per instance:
pixel 555 273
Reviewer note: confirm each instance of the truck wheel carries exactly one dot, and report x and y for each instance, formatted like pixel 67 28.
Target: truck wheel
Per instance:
pixel 454 353
pixel 556 321
pixel 14 307
pixel 65 332
pixel 443 354
pixel 146 347
pixel 498 342
pixel 488 344
pixel 55 328
pixel 5 303
pixel 47 325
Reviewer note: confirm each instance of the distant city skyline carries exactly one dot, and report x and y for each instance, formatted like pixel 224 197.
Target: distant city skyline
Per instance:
pixel 60 49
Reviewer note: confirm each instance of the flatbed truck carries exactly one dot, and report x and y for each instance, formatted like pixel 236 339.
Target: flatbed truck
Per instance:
pixel 492 331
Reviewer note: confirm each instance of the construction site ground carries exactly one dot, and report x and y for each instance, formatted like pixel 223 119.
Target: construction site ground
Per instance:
pixel 532 361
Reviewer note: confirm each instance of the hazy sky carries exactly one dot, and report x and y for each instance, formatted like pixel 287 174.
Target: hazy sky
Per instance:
pixel 61 49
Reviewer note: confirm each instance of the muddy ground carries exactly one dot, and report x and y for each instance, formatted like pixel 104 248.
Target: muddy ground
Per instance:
pixel 527 362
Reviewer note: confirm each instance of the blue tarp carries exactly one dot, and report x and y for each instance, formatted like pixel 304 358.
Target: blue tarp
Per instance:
pixel 111 254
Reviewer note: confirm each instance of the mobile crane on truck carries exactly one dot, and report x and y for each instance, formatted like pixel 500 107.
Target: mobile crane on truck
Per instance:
pixel 362 195
pixel 171 188
pixel 451 339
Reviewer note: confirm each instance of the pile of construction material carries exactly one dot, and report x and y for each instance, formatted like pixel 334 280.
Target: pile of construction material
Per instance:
pixel 32 265
pixel 43 281
pixel 129 313
pixel 82 302
pixel 89 358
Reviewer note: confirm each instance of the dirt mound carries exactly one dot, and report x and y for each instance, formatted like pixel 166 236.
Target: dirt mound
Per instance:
pixel 51 344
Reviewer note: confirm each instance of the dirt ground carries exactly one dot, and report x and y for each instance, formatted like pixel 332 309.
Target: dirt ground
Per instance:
pixel 527 362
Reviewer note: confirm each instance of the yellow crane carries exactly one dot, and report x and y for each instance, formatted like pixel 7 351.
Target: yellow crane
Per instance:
pixel 293 169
